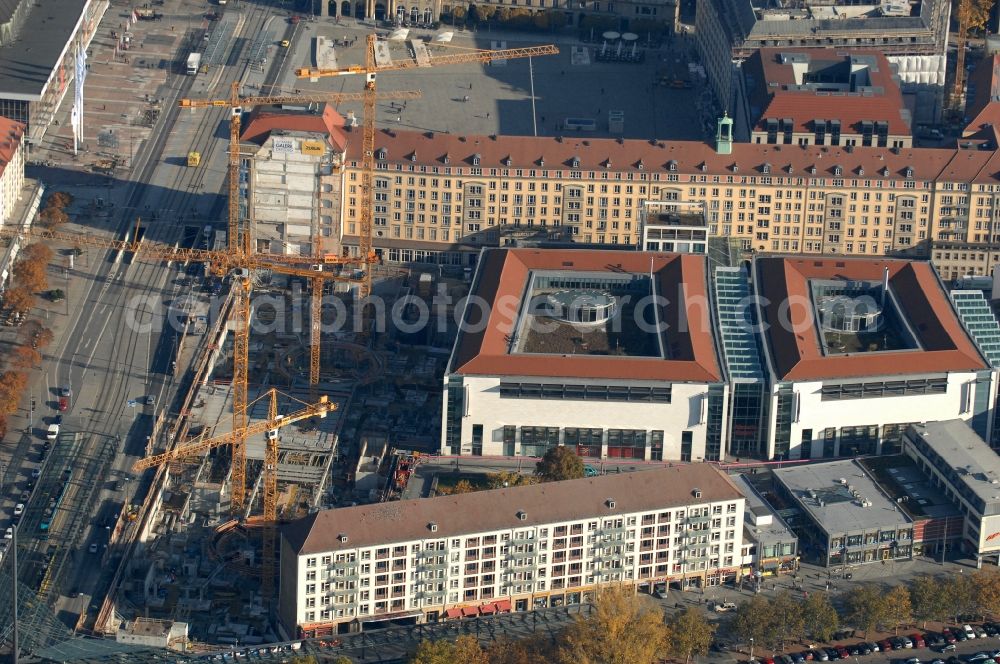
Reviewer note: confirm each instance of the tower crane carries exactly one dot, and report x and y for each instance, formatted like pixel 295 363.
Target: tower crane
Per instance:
pixel 220 263
pixel 239 245
pixel 370 70
pixel 269 428
pixel 239 239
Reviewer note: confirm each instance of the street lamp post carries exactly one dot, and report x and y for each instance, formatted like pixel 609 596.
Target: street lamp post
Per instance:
pixel 751 648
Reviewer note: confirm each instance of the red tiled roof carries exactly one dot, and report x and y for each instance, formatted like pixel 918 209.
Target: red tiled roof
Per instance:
pixel 773 99
pixel 783 286
pixel 984 109
pixel 502 277
pixel 635 156
pixel 264 120
pixel 11 134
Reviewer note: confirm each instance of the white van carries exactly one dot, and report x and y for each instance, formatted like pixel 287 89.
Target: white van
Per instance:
pixel 53 432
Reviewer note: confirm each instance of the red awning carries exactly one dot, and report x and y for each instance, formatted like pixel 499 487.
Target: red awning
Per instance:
pixel 488 609
pixel 453 613
pixel 468 611
pixel 503 606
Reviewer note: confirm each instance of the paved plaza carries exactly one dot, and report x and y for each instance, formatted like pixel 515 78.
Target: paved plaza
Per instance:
pixel 571 84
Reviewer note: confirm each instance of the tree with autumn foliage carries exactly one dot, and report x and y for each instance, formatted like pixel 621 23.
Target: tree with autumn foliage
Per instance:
pixel 30 269
pixel 622 628
pixel 18 299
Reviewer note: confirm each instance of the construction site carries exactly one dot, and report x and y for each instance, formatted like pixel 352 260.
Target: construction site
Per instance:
pixel 284 410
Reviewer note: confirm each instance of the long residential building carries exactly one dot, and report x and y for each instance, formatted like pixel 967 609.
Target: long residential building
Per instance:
pixel 517 548
pixel 440 198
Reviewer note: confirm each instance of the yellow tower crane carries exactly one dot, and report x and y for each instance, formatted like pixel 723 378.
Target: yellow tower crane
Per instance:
pixel 239 245
pixel 370 69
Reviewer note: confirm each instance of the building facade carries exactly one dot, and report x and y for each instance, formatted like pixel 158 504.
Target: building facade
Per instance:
pixel 855 350
pixel 428 12
pixel 729 31
pixel 294 180
pixel 825 96
pixel 962 465
pixel 843 517
pixel 440 198
pixel 567 343
pixel 508 549
pixel 40 43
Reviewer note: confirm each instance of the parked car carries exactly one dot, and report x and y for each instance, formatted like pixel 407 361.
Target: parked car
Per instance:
pixel 820 655
pixel 907 642
pixel 937 661
pixel 53 432
pixel 933 639
pixel 866 648
pixel 960 633
pixel 9 533
pixel 843 652
pixel 785 659
pixel 980 632
pixel 19 509
pixel 918 641
pixel 808 655
pixel 898 643
pixel 66 391
pixel 913 660
pixel 874 646
pixel 949 636
pixel 948 647
pixel 969 632
pixel 798 658
pixel 855 650
pixel 978 657
pixel 93 547
pixel 832 654
pixel 63 404
pixel 991 628
pixel 885 645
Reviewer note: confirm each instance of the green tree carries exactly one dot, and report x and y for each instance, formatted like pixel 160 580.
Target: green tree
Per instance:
pixel 788 618
pixel 959 594
pixel 622 628
pixel 867 608
pixel 506 478
pixel 434 652
pixel 898 608
pixel 690 634
pixel 927 599
pixel 819 617
pixel 755 621
pixel 559 463
pixel 987 583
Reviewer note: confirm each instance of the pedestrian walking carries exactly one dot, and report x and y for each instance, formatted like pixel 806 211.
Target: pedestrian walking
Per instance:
pixel 399 118
pixel 465 98
pixel 487 115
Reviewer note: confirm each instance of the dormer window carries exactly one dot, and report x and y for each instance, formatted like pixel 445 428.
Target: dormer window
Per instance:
pixel 861 172
pixel 413 156
pixel 885 171
pixel 575 163
pixel 639 165
pixel 812 170
pixel 476 159
pixel 607 163
pixel 671 165
pixel 790 169
pixel 838 171
pixel 446 159
pixel 704 167
pixel 506 162
pixel 380 153
pixel 736 168
pixel 541 161
pixel 766 169
pixel 909 172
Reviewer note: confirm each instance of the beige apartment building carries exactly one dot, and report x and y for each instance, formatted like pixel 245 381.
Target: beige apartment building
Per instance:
pixel 441 197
